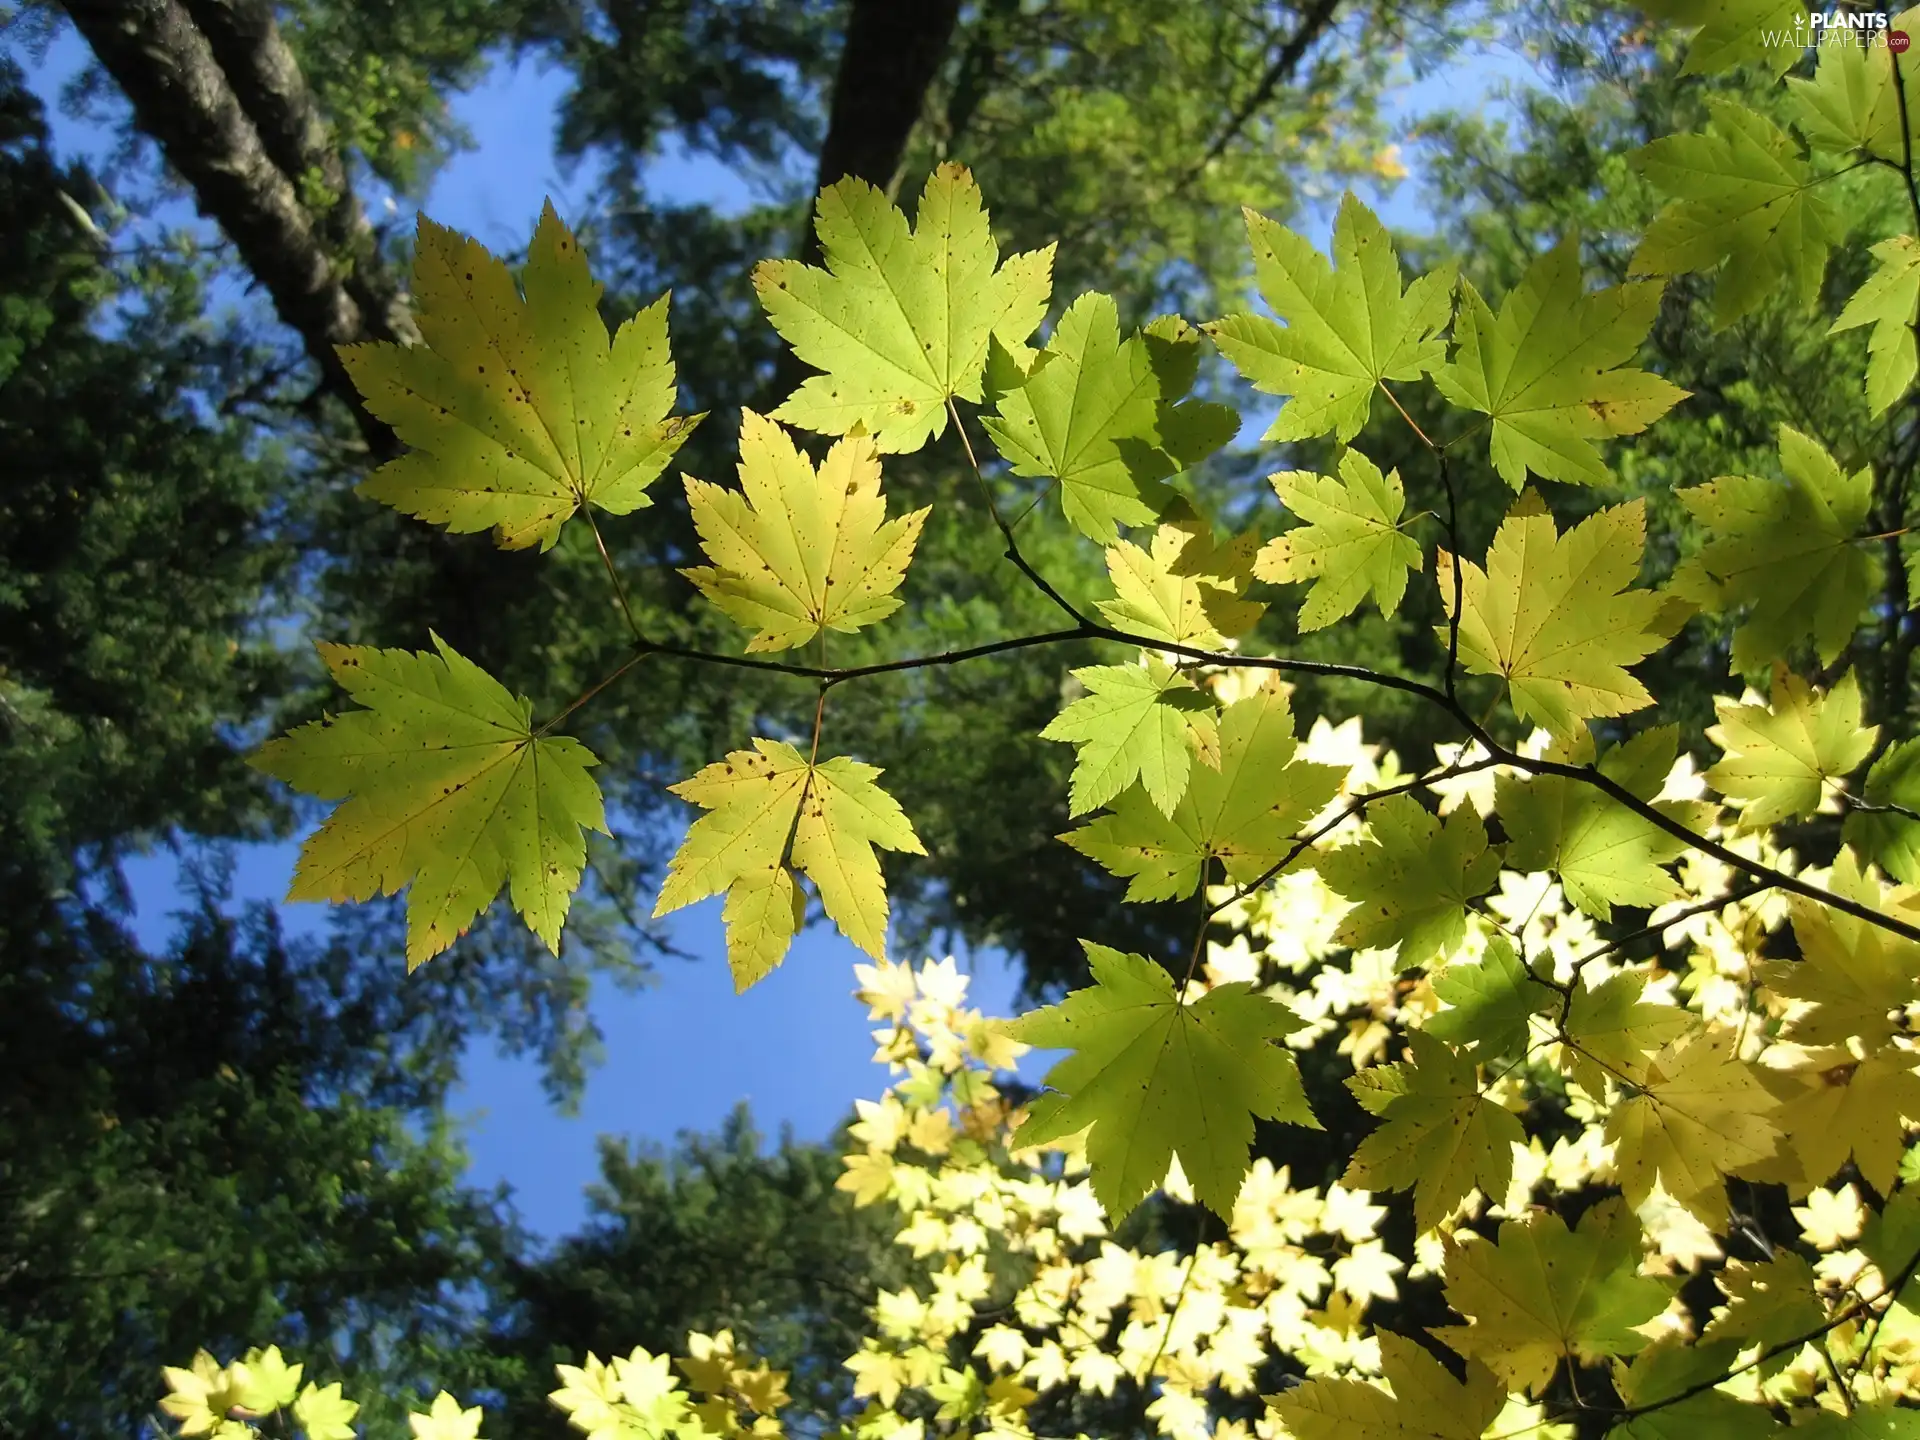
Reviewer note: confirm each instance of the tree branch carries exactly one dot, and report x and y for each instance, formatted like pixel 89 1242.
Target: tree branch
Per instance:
pixel 182 98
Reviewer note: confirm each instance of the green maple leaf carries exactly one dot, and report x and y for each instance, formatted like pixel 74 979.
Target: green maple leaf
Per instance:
pixel 768 807
pixel 1850 103
pixel 1787 550
pixel 1143 723
pixel 1768 1303
pixel 1411 880
pixel 1550 369
pixel 1490 1002
pixel 1890 302
pixel 1855 976
pixel 1603 853
pixel 1851 1109
pixel 1671 1366
pixel 1352 541
pixel 517 412
pixel 1155 1078
pixel 1244 813
pixel 1552 614
pixel 1348 324
pixel 797 551
pixel 1866 1422
pixel 900 319
pixel 323 1413
pixel 1890 840
pixel 1744 204
pixel 1427 1403
pixel 1697 1115
pixel 1780 757
pixel 1183 589
pixel 1734 32
pixel 1542 1292
pixel 1439 1134
pixel 1100 415
pixel 1610 1026
pixel 445 788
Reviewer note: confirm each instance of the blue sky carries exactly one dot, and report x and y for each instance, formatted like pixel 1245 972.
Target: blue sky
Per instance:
pixel 682 1052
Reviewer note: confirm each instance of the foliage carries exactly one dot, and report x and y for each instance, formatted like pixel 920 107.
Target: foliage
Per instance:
pixel 1707 1090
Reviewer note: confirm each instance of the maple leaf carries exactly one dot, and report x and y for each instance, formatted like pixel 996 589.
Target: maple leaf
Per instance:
pixel 1411 880
pixel 1889 839
pixel 517 413
pixel 1548 369
pixel 1143 723
pixel 1661 1375
pixel 1848 1108
pixel 797 551
pixel 1743 203
pixel 1603 853
pixel 1551 614
pixel 1785 549
pixel 1697 1115
pixel 324 1414
pixel 1438 1134
pixel 1348 325
pixel 1768 1302
pixel 1734 32
pixel 1427 1403
pixel 1850 103
pixel 1100 415
pixel 767 807
pixel 900 318
pixel 1352 541
pixel 1156 1079
pixel 445 788
pixel 1853 977
pixel 1185 589
pixel 1490 1002
pixel 446 1420
pixel 1889 300
pixel 1780 757
pixel 1612 1030
pixel 1244 813
pixel 1542 1292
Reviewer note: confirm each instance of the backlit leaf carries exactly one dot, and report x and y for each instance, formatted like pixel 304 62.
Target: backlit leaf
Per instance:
pixel 1352 541
pixel 1143 723
pixel 1780 757
pixel 1410 881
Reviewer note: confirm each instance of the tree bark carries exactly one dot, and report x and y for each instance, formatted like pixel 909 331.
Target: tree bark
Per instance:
pixel 182 98
pixel 891 54
pixel 267 80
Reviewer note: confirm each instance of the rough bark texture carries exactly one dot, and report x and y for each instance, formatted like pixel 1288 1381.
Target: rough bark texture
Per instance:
pixel 181 97
pixel 267 80
pixel 891 54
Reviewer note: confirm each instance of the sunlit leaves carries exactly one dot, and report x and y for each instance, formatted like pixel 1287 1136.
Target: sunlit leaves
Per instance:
pixel 1183 589
pixel 446 789
pixel 1438 1134
pixel 1785 550
pixel 1427 1403
pixel 1542 1292
pixel 1743 205
pixel 1144 723
pixel 796 551
pixel 1883 835
pixel 1347 324
pixel 1352 542
pixel 1550 369
pixel 1735 32
pixel 1104 417
pixel 1156 1078
pixel 516 411
pixel 900 317
pixel 1412 879
pixel 1889 301
pixel 1603 853
pixel 1243 814
pixel 1611 1030
pixel 768 808
pixel 1697 1115
pixel 1552 614
pixel 1780 757
pixel 1490 1002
